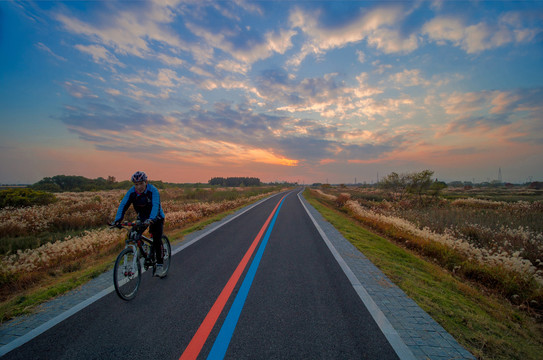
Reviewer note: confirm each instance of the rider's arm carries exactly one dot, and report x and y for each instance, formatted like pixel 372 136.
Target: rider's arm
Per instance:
pixel 124 205
pixel 156 209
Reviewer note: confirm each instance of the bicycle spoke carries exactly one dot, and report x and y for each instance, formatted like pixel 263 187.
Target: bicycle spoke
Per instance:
pixel 127 274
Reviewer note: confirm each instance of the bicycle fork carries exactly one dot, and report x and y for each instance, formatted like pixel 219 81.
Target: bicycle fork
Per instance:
pixel 130 269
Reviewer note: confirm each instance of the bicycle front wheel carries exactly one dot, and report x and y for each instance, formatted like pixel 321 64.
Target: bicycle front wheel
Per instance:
pixel 127 274
pixel 166 255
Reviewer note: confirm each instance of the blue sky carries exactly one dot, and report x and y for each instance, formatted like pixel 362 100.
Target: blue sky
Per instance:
pixel 308 91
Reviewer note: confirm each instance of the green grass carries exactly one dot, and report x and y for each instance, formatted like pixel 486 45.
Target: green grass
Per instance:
pixel 487 326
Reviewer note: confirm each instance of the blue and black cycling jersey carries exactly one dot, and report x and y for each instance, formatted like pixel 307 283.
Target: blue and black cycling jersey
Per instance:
pixel 146 204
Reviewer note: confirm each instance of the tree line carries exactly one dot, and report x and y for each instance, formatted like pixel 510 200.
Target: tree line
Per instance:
pixel 235 181
pixel 61 183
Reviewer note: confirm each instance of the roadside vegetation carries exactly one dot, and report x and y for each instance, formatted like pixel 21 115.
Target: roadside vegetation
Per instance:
pixel 473 263
pixel 49 248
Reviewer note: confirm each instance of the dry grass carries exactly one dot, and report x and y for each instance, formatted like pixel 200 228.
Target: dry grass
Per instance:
pixel 502 258
pixel 29 265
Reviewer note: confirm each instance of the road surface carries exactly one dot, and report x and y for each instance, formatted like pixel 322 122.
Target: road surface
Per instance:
pixel 262 286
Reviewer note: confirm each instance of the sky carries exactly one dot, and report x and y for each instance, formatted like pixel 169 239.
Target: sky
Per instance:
pixel 302 91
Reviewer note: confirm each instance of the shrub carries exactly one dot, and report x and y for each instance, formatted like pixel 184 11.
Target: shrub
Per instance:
pixel 25 197
pixel 342 199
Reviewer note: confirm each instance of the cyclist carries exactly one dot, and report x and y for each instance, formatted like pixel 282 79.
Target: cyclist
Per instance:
pixel 146 201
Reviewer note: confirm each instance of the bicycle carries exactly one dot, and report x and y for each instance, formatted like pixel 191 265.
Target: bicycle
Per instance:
pixel 127 270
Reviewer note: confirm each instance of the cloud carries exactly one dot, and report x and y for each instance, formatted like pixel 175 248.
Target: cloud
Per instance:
pixel 245 45
pixel 391 41
pixel 130 30
pixel 233 66
pixel 96 116
pixel 114 92
pixel 170 60
pixel 43 47
pixel 379 27
pixel 510 114
pixel 481 36
pixel 409 78
pixel 166 80
pixel 492 102
pixel 100 55
pixel 249 7
pixel 329 96
pixel 361 56
pixel 224 134
pixel 78 89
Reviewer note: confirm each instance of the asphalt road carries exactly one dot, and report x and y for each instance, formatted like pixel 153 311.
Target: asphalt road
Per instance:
pixel 288 299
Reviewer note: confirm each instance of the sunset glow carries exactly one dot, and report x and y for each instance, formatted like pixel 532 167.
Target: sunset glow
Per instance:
pixel 308 91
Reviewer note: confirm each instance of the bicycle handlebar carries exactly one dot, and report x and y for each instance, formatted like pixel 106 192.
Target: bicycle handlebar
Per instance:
pixel 122 225
pixel 128 224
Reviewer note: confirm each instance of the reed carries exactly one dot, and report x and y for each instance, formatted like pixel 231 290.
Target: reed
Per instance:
pixel 502 253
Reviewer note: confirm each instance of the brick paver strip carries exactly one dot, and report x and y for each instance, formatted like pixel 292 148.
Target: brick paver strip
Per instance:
pixel 424 337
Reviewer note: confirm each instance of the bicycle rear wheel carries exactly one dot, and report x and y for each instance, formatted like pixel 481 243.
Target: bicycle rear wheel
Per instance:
pixel 166 255
pixel 127 274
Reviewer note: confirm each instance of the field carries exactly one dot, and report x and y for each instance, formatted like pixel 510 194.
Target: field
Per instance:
pixel 470 258
pixel 492 237
pixel 48 249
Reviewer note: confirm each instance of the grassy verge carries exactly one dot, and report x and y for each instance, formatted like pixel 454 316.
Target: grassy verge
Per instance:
pixel 487 326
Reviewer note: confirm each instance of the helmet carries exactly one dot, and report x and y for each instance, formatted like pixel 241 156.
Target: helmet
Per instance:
pixel 139 176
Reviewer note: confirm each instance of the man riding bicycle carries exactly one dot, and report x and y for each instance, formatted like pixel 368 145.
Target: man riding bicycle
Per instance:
pixel 146 201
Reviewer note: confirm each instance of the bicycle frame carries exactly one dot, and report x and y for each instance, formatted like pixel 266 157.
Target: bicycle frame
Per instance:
pixel 136 240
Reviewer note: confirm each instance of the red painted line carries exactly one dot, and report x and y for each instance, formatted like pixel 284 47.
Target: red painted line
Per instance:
pixel 198 340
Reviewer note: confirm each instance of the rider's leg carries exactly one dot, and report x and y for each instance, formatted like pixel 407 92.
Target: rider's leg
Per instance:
pixel 157 229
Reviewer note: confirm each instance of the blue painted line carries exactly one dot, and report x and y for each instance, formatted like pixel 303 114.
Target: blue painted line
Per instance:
pixel 218 351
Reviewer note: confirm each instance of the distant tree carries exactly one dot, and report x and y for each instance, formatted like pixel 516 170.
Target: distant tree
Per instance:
pixel 394 183
pixel 496 183
pixel 536 185
pixel 220 181
pixel 235 181
pixel 420 182
pixel 61 183
pixel 25 197
pixel 417 183
pixel 457 184
pixel 437 187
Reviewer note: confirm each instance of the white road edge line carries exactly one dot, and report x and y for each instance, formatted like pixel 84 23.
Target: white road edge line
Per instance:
pixel 59 318
pixel 401 349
